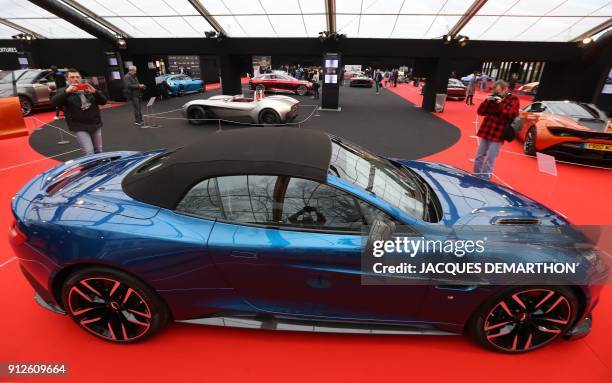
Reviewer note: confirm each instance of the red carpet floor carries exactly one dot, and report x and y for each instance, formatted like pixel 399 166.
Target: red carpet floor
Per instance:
pixel 185 353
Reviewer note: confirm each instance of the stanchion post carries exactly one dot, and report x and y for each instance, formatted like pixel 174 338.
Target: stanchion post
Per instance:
pixel 62 141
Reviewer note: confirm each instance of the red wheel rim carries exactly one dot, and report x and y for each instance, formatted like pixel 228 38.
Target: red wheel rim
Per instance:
pixel 527 319
pixel 109 309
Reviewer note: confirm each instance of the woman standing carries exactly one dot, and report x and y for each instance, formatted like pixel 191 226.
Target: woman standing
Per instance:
pixel 471 88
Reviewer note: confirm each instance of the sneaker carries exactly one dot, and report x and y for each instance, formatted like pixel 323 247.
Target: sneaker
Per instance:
pixel 56 118
pixel 139 123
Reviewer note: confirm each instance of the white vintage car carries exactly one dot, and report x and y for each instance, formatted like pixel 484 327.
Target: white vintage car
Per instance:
pixel 275 109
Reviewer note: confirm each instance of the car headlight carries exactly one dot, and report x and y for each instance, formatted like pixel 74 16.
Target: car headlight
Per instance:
pixel 590 254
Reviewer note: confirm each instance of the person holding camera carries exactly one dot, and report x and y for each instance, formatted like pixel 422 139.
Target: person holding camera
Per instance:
pixel 133 91
pixel 80 101
pixel 499 110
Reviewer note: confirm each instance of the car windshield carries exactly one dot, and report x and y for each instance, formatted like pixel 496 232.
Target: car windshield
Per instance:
pixel 573 110
pixel 392 183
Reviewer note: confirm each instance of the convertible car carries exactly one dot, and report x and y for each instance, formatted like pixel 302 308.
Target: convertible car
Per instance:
pixel 566 128
pixel 180 84
pixel 264 228
pixel 277 82
pixel 455 90
pixel 256 110
pixel 361 81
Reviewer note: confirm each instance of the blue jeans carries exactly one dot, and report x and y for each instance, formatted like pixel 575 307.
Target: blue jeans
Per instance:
pixel 376 83
pixel 90 143
pixel 485 158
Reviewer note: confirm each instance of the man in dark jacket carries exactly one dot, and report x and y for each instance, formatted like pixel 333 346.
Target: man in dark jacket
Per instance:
pixel 499 110
pixel 80 102
pixel 133 89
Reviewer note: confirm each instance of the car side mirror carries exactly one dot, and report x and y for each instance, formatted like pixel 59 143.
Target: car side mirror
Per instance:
pixel 379 231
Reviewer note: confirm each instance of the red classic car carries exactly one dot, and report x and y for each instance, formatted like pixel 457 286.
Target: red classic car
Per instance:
pixel 277 82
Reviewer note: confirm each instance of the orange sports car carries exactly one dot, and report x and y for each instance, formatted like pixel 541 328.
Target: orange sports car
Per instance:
pixel 565 128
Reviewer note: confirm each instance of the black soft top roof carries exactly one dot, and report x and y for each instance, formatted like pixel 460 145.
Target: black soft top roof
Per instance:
pixel 286 151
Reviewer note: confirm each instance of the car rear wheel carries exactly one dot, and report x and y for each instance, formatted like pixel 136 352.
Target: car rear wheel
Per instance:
pixel 529 145
pixel 301 90
pixel 26 105
pixel 196 115
pixel 525 318
pixel 269 117
pixel 260 88
pixel 113 305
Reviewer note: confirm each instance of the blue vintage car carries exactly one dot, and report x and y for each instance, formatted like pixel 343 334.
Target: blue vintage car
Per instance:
pixel 180 84
pixel 269 228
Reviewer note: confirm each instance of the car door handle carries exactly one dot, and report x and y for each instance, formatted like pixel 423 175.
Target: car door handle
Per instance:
pixel 243 254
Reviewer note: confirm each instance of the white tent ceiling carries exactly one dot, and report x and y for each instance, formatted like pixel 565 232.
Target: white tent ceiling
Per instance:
pixel 507 20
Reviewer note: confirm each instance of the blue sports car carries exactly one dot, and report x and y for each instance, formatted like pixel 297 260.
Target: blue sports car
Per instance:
pixel 180 84
pixel 264 228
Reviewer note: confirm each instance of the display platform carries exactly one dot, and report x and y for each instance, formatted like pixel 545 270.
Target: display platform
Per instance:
pixel 392 125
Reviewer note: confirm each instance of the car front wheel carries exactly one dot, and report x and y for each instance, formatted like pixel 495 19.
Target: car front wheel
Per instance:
pixel 196 115
pixel 529 145
pixel 523 319
pixel 302 90
pixel 269 117
pixel 113 305
pixel 26 105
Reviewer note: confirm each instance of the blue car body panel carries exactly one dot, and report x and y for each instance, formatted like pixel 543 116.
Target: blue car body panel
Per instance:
pixel 201 267
pixel 182 84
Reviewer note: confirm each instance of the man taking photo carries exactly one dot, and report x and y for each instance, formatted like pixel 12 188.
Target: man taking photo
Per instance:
pixel 499 110
pixel 133 90
pixel 80 102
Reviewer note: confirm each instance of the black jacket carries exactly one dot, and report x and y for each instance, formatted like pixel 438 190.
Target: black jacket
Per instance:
pixel 76 118
pixel 131 86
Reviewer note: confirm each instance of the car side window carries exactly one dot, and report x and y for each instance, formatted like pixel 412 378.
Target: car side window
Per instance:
pixel 312 205
pixel 536 108
pixel 202 200
pixel 372 213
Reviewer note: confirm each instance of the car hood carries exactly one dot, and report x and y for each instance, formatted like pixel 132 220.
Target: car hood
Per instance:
pixel 578 124
pixel 469 200
pixel 281 98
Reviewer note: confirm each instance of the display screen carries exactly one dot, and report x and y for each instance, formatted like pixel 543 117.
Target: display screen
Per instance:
pixel 112 61
pixel 331 78
pixel 188 65
pixel 23 60
pixel 331 63
pixel 116 75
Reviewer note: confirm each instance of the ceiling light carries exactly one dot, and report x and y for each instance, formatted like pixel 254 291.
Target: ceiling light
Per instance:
pixel 447 39
pixel 587 40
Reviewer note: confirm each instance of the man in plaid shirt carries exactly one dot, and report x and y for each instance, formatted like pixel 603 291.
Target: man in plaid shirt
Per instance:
pixel 499 109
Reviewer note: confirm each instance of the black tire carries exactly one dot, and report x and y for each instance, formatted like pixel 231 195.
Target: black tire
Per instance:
pixel 196 115
pixel 26 105
pixel 301 90
pixel 113 305
pixel 269 117
pixel 260 87
pixel 529 145
pixel 538 316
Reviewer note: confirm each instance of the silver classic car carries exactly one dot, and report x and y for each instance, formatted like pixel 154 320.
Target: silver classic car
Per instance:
pixel 275 109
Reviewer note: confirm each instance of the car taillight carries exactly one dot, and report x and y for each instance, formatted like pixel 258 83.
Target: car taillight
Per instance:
pixel 16 235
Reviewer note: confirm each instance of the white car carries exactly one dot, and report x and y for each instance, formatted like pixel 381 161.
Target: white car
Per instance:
pixel 275 109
